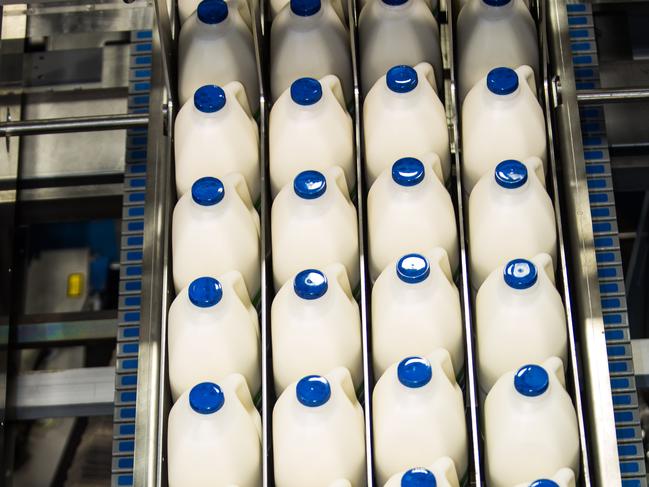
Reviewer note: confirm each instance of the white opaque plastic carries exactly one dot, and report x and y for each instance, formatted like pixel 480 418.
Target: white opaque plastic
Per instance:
pixel 414 318
pixel 218 143
pixel 229 41
pixel 416 426
pixel 340 6
pixel 458 4
pixel 309 46
pixel 397 34
pixel 315 335
pixel 488 37
pixel 498 127
pixel 563 478
pixel 319 446
pixel 313 136
pixel 187 7
pixel 220 449
pixel 212 240
pixel 403 219
pixel 443 469
pixel 530 437
pixel 314 233
pixel 506 224
pixel 404 124
pixel 208 343
pixel 433 5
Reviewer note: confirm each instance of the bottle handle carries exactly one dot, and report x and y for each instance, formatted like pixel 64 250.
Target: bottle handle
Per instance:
pixel 535 165
pixel 339 273
pixel 446 467
pixel 442 358
pixel 565 476
pixel 338 176
pixel 438 258
pixel 435 163
pixel 239 91
pixel 527 73
pixel 544 261
pixel 239 184
pixel 238 284
pixel 342 377
pixel 333 83
pixel 554 365
pixel 340 483
pixel 244 10
pixel 426 71
pixel 240 388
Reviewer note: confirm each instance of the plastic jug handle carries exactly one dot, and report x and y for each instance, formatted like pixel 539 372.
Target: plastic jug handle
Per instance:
pixel 536 165
pixel 241 390
pixel 239 92
pixel 441 357
pixel 527 73
pixel 235 279
pixel 544 261
pixel 341 483
pixel 565 476
pixel 333 83
pixel 438 258
pixel 426 71
pixel 342 376
pixel 240 186
pixel 338 175
pixel 554 365
pixel 446 467
pixel 435 164
pixel 339 272
pixel 244 10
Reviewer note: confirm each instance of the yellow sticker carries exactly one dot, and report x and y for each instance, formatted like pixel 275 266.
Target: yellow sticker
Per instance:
pixel 75 285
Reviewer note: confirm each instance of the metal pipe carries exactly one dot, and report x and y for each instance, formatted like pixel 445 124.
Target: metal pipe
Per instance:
pixel 72 124
pixel 612 95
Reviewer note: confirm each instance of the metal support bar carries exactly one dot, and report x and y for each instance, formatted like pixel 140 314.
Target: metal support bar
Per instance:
pixel 72 124
pixel 612 95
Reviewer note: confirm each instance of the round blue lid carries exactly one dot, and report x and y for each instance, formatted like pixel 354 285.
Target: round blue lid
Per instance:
pixel 414 372
pixel 496 3
pixel 212 11
pixel 408 171
pixel 306 91
pixel 313 391
pixel 531 380
pixel 544 483
pixel 208 191
pixel 511 174
pixel 305 8
pixel 206 398
pixel 310 284
pixel 205 292
pixel 394 3
pixel 209 98
pixel 310 185
pixel 413 268
pixel 520 274
pixel 418 477
pixel 401 79
pixel 502 81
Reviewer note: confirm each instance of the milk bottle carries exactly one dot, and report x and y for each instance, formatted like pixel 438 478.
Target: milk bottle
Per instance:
pixel 313 224
pixel 308 38
pixel 415 309
pixel 403 116
pixel 493 33
pixel 458 4
pixel 318 432
pixel 339 6
pixel 213 332
pixel 394 32
pixel 433 5
pixel 215 229
pixel 316 327
pixel 520 318
pixel 530 425
pixel 216 32
pixel 410 210
pixel 502 119
pixel 214 436
pixel 440 473
pixel 216 135
pixel 310 129
pixel 187 7
pixel 418 416
pixel 563 478
pixel 510 216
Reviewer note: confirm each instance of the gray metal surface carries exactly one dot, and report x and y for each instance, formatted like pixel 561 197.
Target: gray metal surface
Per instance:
pixel 72 124
pixel 612 95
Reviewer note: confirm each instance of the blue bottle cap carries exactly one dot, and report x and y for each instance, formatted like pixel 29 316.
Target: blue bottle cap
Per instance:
pixel 511 174
pixel 544 483
pixel 313 391
pixel 209 98
pixel 502 81
pixel 531 380
pixel 413 268
pixel 418 477
pixel 394 3
pixel 520 274
pixel 208 191
pixel 212 11
pixel 408 171
pixel 310 185
pixel 401 79
pixel 306 91
pixel 496 3
pixel 206 398
pixel 310 284
pixel 205 292
pixel 414 372
pixel 305 8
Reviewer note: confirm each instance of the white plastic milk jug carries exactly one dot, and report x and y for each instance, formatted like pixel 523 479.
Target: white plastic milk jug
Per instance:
pixel 308 39
pixel 492 33
pixel 310 129
pixel 410 210
pixel 530 425
pixel 340 7
pixel 316 327
pixel 563 478
pixel 501 119
pixel 403 116
pixel 215 229
pixel 313 225
pixel 458 4
pixel 214 436
pixel 510 216
pixel 440 473
pixel 318 432
pixel 415 309
pixel 418 416
pixel 394 32
pixel 213 331
pixel 215 135
pixel 187 7
pixel 216 32
pixel 433 5
pixel 520 318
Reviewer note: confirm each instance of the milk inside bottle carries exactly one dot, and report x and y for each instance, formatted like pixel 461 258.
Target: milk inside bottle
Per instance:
pixel 563 478
pixel 214 436
pixel 440 474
